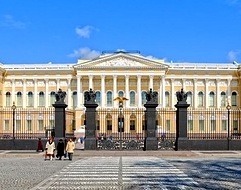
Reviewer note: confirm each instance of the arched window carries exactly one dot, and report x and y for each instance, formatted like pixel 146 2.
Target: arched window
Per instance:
pixel 52 98
pixel 132 98
pixel 189 98
pixel 211 99
pixel 109 98
pixel 30 99
pixel 8 99
pixel 234 99
pixel 223 99
pixel 143 97
pixel 74 98
pixel 98 97
pixel 167 99
pixel 41 99
pixel 19 99
pixel 121 94
pixel 200 99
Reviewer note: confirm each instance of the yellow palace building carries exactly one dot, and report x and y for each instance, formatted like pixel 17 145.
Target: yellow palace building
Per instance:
pixel 32 88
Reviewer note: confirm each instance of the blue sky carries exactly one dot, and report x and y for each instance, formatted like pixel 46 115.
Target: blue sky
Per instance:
pixel 62 31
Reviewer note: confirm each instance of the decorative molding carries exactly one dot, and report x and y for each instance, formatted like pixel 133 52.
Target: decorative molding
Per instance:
pixel 121 62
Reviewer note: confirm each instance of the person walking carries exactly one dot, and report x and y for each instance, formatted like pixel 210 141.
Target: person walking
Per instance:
pixel 60 149
pixel 50 148
pixel 70 148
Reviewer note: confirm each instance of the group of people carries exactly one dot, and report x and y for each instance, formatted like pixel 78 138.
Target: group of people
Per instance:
pixel 62 150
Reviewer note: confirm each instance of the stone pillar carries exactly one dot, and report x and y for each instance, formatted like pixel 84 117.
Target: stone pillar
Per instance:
pixel 151 142
pixel 181 121
pixel 90 118
pixel 60 116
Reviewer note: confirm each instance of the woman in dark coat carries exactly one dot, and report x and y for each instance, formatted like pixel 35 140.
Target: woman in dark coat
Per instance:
pixel 60 149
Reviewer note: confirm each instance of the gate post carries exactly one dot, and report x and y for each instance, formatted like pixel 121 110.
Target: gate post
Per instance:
pixel 60 121
pixel 181 121
pixel 151 142
pixel 90 118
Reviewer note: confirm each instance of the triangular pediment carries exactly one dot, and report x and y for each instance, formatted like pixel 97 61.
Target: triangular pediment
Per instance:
pixel 121 60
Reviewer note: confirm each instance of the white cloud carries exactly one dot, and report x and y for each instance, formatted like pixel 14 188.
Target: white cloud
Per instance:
pixel 84 32
pixel 85 53
pixel 9 21
pixel 233 55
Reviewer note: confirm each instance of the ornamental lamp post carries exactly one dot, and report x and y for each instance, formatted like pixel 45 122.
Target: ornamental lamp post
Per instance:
pixel 121 116
pixel 14 108
pixel 228 107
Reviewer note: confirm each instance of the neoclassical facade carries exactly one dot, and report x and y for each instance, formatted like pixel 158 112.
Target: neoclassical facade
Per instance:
pixel 33 86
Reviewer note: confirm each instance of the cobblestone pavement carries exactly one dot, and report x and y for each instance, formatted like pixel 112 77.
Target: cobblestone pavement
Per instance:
pixel 120 172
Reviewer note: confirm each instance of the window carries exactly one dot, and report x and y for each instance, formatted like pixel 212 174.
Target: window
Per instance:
pixel 18 125
pixel 234 99
pixel 132 98
pixel 190 125
pixel 200 99
pixel 98 97
pixel 109 98
pixel 40 125
pixel 211 99
pixel 223 99
pixel 167 99
pixel 143 97
pixel 6 125
pixel 121 94
pixel 235 125
pixel 132 125
pixel 41 99
pixel 168 125
pixel 30 99
pixel 51 124
pixel 109 125
pixel 224 125
pixel 213 124
pixel 19 99
pixel 52 98
pixel 201 124
pixel 29 125
pixel 74 98
pixel 189 98
pixel 8 99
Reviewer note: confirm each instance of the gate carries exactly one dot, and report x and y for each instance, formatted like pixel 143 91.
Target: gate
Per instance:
pixel 121 141
pixel 126 136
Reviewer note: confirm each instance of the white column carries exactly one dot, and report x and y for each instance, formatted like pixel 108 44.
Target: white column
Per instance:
pixel 139 91
pixel 206 93
pixel 103 103
pixel 151 82
pixel 229 92
pixel 46 93
pixel 69 95
pixel 173 95
pixel 13 91
pixel 195 93
pixel 90 82
pixel 35 96
pixel 127 77
pixel 217 93
pixel 24 93
pixel 115 90
pixel 79 86
pixel 163 91
pixel 184 85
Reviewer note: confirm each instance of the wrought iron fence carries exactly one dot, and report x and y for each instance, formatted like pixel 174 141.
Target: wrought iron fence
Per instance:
pixel 214 124
pixel 20 123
